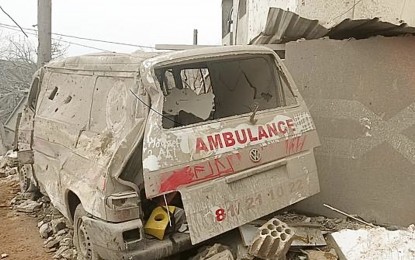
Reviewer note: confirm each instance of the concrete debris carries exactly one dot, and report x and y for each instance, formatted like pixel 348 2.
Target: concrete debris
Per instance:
pixel 262 239
pixel 50 250
pixel 40 224
pixel 68 241
pixel 58 224
pixel 308 236
pixel 52 225
pixel 52 243
pixel 324 223
pixel 273 240
pixel 45 230
pixel 60 252
pixel 242 252
pixel 224 255
pixel 215 252
pixel 29 206
pixel 69 254
pixel 306 233
pixel 61 232
pixel 374 243
pixel 321 255
pixel 8 164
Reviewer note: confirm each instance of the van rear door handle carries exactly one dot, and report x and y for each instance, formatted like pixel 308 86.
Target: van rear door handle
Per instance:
pixel 250 172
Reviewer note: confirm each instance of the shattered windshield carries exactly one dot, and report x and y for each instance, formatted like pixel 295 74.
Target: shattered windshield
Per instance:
pixel 209 90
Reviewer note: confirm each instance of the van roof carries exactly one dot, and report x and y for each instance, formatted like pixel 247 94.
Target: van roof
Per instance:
pixel 129 62
pixel 104 61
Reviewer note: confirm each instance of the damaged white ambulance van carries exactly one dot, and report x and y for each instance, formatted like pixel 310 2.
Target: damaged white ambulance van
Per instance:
pixel 221 135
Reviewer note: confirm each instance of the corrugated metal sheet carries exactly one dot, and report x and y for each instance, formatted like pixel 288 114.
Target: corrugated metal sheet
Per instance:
pixel 284 26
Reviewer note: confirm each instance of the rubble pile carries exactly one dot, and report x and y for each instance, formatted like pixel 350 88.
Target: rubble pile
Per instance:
pixel 215 252
pixel 8 164
pixel 285 236
pixel 325 224
pixel 52 225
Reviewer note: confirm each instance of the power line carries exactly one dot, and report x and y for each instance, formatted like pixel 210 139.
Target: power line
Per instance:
pixel 74 43
pixel 104 41
pixel 88 39
pixel 14 22
pixel 82 45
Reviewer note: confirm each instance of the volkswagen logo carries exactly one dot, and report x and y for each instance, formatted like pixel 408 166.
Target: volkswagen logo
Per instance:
pixel 254 155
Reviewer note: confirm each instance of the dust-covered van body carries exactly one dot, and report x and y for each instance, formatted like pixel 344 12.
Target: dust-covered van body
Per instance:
pixel 220 132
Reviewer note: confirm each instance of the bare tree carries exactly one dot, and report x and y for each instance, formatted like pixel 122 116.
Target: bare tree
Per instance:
pixel 17 65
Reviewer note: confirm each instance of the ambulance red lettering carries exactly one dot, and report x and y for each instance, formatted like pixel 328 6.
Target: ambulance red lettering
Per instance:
pixel 228 139
pixel 243 136
pixel 261 132
pixel 215 143
pixel 280 129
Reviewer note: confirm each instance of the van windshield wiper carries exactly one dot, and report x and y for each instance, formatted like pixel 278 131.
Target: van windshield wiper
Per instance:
pixel 252 118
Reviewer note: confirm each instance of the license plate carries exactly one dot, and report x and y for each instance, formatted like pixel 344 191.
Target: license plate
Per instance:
pixel 217 206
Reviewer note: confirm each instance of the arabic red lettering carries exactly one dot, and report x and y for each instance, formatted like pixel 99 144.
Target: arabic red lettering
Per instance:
pixel 295 145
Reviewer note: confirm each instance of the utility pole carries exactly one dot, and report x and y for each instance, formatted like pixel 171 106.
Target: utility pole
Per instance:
pixel 194 36
pixel 44 24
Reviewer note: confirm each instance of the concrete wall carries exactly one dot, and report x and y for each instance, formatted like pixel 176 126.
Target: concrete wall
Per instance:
pixel 248 26
pixel 361 94
pixel 257 16
pixel 334 11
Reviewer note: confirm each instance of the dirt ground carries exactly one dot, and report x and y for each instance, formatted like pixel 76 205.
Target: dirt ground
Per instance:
pixel 19 236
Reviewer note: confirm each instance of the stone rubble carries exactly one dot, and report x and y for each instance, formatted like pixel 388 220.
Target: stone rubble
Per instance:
pixel 215 252
pixel 58 232
pixel 52 225
pixel 29 206
pixel 8 164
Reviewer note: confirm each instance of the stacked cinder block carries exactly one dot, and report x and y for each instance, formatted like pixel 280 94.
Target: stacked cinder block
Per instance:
pixel 273 240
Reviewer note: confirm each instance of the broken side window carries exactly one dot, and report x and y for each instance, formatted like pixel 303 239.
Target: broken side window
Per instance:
pixel 215 89
pixel 33 95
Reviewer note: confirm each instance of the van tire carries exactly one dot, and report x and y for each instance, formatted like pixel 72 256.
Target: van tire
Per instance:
pixel 81 239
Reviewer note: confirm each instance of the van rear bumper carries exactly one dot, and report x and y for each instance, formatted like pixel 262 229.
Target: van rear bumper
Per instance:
pixel 126 240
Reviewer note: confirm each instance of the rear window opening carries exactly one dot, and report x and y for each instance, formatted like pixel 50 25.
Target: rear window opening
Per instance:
pixel 209 90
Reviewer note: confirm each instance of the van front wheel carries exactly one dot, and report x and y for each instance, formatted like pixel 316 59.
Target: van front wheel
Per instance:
pixel 82 241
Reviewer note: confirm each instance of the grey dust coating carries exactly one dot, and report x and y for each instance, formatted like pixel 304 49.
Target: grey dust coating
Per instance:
pixel 112 133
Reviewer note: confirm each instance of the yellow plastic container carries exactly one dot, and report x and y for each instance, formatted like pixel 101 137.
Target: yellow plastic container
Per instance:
pixel 157 223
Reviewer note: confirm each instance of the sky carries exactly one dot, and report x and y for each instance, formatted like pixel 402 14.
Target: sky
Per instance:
pixel 139 22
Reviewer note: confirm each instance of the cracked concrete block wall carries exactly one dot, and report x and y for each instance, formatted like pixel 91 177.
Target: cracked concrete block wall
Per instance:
pixel 361 94
pixel 393 11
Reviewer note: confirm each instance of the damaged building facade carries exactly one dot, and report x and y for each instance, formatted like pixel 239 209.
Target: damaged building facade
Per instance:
pixel 244 20
pixel 354 65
